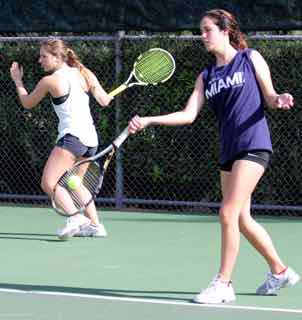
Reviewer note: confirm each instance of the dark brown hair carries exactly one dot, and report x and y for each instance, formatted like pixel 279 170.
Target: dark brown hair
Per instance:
pixel 59 48
pixel 226 21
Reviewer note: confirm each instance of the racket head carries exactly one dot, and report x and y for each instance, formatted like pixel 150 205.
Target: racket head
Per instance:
pixel 154 66
pixel 77 188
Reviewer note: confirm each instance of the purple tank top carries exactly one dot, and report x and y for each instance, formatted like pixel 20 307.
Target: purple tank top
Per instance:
pixel 235 97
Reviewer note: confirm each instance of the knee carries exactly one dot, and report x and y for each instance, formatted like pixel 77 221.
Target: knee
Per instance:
pixel 228 216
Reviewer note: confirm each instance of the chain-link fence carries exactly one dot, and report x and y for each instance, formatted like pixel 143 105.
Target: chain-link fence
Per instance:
pixel 171 168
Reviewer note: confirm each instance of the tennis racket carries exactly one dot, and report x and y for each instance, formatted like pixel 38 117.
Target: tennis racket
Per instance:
pixel 81 184
pixel 151 67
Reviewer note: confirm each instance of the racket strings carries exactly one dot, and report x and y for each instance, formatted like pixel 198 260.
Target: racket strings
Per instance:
pixel 91 177
pixel 84 193
pixel 155 66
pixel 155 71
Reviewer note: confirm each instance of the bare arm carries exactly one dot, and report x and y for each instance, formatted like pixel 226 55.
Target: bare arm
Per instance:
pixel 28 100
pixel 100 95
pixel 185 116
pixel 263 74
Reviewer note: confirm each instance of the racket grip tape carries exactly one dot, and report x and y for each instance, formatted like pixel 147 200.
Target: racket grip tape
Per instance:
pixel 118 90
pixel 121 138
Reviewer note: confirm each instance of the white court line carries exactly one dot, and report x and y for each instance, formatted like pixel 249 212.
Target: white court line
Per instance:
pixel 151 301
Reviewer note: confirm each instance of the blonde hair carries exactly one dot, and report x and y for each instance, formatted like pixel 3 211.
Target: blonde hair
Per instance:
pixel 59 49
pixel 226 21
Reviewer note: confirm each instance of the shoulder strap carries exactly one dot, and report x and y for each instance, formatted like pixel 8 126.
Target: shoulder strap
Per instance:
pixel 206 74
pixel 247 53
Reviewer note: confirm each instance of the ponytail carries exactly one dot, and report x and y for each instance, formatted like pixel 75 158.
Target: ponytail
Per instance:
pixel 73 60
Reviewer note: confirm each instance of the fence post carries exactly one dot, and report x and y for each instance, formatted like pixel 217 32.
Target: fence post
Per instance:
pixel 119 175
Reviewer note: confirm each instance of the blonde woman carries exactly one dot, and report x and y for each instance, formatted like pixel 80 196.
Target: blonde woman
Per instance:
pixel 68 83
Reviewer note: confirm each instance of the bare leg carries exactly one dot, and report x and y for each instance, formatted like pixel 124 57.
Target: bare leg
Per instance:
pixel 259 239
pixel 90 211
pixel 58 162
pixel 237 187
pixel 64 201
pixel 92 214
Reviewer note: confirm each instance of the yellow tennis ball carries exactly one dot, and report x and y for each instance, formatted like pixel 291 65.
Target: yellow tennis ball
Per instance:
pixel 74 182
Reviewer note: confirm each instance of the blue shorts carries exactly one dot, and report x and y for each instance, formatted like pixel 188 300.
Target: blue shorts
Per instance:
pixel 259 156
pixel 75 146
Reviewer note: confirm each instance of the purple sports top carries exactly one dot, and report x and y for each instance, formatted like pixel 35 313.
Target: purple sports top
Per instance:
pixel 235 97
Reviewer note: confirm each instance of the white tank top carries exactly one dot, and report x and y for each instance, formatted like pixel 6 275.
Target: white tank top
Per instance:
pixel 74 113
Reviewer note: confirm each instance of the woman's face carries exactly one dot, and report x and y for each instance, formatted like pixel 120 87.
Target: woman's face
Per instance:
pixel 212 37
pixel 48 61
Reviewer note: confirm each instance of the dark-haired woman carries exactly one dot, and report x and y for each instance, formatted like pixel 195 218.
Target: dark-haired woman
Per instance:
pixel 68 83
pixel 234 87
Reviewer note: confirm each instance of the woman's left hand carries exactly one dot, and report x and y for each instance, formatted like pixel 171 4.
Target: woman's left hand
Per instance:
pixel 285 101
pixel 16 72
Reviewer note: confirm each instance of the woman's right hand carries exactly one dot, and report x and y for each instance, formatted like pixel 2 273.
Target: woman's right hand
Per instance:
pixel 16 72
pixel 138 123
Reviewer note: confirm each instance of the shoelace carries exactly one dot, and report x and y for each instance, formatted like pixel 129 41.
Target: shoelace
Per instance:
pixel 272 282
pixel 70 221
pixel 213 285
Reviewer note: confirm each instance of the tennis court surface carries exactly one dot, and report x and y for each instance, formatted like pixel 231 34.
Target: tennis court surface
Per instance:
pixel 149 267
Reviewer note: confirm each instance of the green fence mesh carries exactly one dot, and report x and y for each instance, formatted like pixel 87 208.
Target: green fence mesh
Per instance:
pixel 173 168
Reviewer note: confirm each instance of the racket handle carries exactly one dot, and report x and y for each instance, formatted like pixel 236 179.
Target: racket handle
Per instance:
pixel 121 138
pixel 117 90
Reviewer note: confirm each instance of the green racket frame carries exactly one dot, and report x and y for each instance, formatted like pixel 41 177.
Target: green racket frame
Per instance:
pixel 152 67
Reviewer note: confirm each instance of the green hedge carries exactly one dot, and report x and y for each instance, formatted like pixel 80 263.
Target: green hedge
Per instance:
pixel 174 163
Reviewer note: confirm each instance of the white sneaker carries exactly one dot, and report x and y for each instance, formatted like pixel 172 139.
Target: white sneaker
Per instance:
pixel 92 231
pixel 216 292
pixel 274 282
pixel 73 225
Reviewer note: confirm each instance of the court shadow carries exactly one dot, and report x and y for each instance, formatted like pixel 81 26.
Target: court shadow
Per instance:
pixel 253 294
pixel 119 293
pixel 188 219
pixel 28 236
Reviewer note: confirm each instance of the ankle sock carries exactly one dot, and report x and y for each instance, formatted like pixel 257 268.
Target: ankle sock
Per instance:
pixel 279 273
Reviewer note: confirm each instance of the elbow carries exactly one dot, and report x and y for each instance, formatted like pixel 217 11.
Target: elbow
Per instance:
pixel 105 102
pixel 27 105
pixel 188 119
pixel 188 116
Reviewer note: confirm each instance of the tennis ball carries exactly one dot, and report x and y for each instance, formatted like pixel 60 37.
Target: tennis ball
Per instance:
pixel 74 182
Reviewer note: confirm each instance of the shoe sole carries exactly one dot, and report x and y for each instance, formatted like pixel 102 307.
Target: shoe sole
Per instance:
pixel 64 237
pixel 217 302
pixel 90 236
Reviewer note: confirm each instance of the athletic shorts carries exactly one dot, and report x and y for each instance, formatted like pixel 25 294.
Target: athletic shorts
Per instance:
pixel 75 146
pixel 259 156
